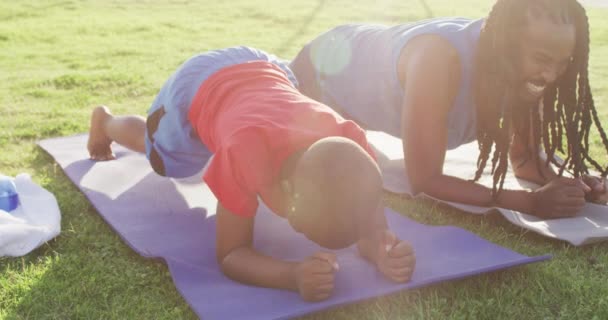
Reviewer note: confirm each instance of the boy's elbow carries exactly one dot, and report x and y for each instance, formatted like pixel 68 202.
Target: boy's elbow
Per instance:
pixel 227 261
pixel 221 258
pixel 223 262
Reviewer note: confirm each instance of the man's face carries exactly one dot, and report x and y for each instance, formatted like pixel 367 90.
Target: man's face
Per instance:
pixel 545 53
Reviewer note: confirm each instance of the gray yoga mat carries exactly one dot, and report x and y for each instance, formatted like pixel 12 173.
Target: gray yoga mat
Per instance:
pixel 589 227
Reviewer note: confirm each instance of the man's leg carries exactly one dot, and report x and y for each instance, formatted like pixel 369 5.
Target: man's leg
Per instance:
pixel 128 131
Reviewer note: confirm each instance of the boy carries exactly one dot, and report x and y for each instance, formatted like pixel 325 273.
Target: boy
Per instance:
pixel 303 160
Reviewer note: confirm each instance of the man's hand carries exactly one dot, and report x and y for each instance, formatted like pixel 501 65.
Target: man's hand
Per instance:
pixel 395 258
pixel 315 276
pixel 598 192
pixel 560 198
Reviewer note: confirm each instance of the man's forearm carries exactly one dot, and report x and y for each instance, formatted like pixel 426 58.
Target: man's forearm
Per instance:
pixel 518 200
pixel 529 170
pixel 448 188
pixel 250 267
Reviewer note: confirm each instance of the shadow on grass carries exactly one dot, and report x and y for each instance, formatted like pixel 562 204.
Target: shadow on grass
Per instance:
pixel 315 12
pixel 427 9
pixel 307 22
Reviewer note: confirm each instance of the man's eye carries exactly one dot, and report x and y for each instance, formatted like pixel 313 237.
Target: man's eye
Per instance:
pixel 541 60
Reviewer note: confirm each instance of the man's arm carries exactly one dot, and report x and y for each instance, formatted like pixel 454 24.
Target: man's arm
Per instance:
pixel 426 103
pixel 525 166
pixel 428 96
pixel 525 162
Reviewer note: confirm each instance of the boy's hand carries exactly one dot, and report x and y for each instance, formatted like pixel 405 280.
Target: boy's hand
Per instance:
pixel 315 276
pixel 598 192
pixel 395 258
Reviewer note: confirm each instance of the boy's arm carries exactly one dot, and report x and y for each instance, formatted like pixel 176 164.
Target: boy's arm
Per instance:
pixel 313 278
pixel 370 240
pixel 393 257
pixel 239 261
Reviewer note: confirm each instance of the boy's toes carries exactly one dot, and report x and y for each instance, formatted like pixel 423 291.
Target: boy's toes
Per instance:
pixel 105 155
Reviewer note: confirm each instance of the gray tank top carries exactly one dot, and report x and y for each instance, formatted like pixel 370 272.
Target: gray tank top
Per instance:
pixel 356 70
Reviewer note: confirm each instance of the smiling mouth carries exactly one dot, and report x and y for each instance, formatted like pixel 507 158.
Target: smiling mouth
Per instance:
pixel 535 89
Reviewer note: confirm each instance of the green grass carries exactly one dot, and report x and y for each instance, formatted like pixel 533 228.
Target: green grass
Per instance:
pixel 58 59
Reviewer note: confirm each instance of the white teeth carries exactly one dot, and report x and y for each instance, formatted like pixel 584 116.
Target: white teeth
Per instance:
pixel 534 88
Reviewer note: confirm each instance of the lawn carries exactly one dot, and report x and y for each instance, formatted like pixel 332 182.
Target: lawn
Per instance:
pixel 58 59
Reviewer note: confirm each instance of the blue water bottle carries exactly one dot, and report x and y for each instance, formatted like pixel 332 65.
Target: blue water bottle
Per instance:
pixel 9 199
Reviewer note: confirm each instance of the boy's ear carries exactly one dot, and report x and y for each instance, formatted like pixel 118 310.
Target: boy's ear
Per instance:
pixel 287 187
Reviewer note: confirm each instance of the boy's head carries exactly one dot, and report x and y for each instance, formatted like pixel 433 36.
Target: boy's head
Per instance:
pixel 335 188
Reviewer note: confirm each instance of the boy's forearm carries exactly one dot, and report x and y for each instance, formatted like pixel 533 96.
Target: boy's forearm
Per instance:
pixel 370 240
pixel 250 267
pixel 240 262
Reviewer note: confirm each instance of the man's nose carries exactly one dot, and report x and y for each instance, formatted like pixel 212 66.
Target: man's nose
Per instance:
pixel 550 75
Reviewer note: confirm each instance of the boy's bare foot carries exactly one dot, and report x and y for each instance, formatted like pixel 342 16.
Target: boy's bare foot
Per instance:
pixel 99 142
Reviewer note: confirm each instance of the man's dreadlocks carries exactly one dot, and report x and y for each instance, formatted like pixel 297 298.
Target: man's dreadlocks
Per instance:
pixel 567 104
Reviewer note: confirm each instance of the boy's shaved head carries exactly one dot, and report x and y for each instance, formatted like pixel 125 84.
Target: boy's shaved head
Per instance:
pixel 336 187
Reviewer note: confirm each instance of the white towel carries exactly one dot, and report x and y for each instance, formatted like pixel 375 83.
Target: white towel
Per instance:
pixel 36 220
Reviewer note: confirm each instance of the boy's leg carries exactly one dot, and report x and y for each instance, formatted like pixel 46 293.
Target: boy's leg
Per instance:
pixel 128 131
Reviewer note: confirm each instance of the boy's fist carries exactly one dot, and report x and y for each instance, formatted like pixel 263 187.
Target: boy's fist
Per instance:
pixel 315 276
pixel 395 258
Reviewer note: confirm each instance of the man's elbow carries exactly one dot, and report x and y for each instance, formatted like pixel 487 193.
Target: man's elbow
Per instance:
pixel 419 184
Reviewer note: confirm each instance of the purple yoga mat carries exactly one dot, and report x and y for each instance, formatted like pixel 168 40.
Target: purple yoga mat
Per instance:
pixel 174 220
